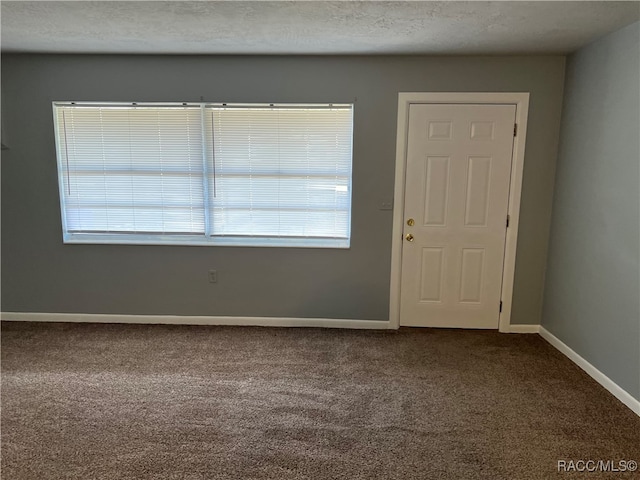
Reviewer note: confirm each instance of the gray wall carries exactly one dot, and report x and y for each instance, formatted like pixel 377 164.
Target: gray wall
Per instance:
pixel 40 274
pixel 592 287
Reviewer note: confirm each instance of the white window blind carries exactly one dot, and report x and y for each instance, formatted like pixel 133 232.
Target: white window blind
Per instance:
pixel 280 171
pixel 131 169
pixel 205 173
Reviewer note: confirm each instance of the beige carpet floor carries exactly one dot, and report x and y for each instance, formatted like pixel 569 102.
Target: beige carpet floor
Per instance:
pixel 82 401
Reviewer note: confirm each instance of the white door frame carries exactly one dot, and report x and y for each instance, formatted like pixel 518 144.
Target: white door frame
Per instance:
pixel 521 101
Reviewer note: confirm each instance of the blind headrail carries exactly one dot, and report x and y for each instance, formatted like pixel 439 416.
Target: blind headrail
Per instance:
pixel 215 105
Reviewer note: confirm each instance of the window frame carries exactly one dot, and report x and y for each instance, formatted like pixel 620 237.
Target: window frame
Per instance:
pixel 204 239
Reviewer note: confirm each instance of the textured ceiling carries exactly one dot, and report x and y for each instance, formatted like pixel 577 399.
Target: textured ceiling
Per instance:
pixel 302 27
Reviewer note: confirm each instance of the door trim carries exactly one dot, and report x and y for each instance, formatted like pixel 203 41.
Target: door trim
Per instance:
pixel 405 99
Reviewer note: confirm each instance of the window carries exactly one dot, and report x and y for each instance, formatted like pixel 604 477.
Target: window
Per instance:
pixel 192 173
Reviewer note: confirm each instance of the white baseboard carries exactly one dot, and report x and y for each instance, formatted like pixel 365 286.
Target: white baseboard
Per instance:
pixel 617 391
pixel 524 328
pixel 216 320
pixel 195 320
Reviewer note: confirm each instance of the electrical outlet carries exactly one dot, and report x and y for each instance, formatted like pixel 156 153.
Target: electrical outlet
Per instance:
pixel 213 276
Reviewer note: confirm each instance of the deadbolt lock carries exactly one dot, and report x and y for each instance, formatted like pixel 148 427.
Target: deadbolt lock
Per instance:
pixel 411 222
pixel 409 237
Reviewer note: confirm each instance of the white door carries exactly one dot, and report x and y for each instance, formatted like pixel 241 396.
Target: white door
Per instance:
pixel 455 214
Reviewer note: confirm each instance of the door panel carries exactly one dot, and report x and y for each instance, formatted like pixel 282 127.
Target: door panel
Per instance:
pixel 477 194
pixel 456 192
pixel 471 275
pixel 437 191
pixel 431 274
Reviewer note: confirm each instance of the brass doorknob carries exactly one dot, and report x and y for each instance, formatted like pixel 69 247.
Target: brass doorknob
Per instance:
pixel 409 237
pixel 411 222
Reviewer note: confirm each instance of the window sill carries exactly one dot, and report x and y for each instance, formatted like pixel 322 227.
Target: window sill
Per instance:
pixel 192 240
